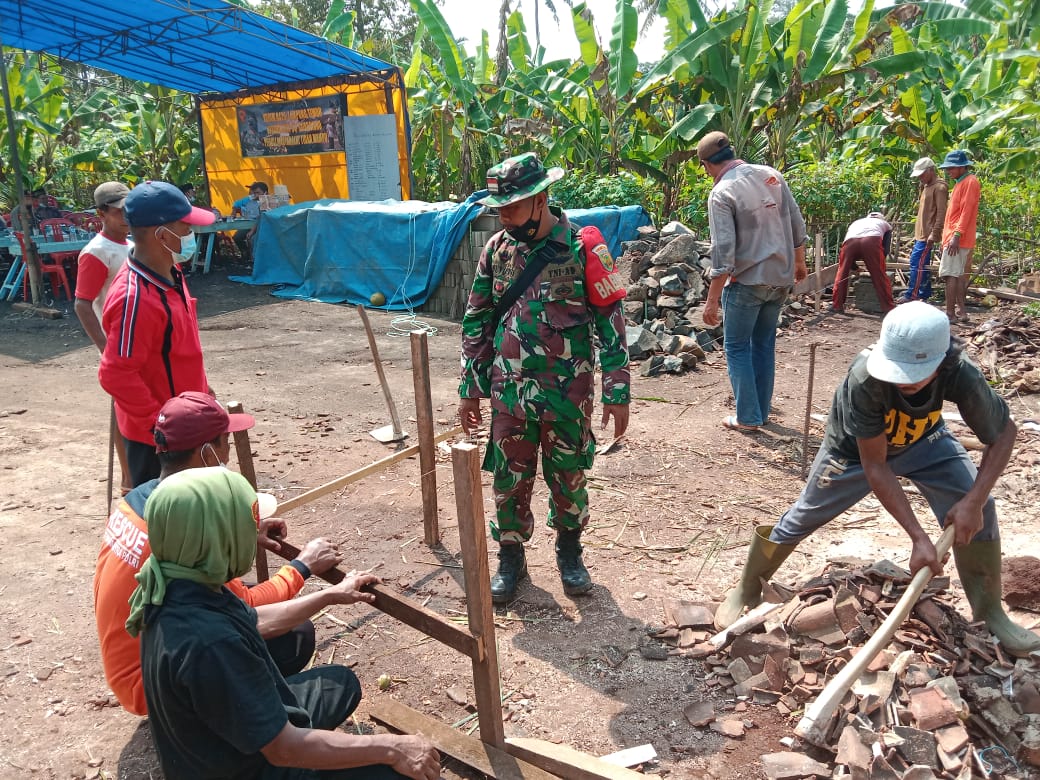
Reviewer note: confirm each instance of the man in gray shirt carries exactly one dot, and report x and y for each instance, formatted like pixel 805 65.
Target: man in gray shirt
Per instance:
pixel 757 254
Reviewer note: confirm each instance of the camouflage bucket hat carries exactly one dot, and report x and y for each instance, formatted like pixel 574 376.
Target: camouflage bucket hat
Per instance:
pixel 518 178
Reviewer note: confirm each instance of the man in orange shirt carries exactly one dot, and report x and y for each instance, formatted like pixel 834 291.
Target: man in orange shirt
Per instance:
pixel 191 431
pixel 958 239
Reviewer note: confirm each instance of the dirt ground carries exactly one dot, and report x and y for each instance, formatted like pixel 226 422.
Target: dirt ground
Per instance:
pixel 673 507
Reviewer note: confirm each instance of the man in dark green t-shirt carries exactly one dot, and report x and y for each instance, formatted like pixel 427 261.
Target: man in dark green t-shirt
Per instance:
pixel 886 423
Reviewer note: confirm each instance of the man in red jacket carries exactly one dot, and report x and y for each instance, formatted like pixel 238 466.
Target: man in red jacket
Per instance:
pixel 152 350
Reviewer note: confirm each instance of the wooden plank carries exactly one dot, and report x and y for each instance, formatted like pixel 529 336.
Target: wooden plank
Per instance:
pixel 244 454
pixel 469 750
pixel 407 611
pixel 39 311
pixel 566 761
pixel 424 421
pixel 469 503
pixel 361 473
pixel 816 281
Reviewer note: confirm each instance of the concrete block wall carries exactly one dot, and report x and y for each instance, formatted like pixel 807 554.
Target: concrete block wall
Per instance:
pixel 449 299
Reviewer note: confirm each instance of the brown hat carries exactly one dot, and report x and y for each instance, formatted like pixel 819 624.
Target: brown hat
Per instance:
pixel 713 143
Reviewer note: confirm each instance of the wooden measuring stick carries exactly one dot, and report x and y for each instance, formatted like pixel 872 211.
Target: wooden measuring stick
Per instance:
pixel 361 473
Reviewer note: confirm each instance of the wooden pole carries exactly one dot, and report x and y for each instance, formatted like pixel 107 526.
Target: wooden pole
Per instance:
pixel 424 420
pixel 469 502
pixel 361 473
pixel 814 725
pixel 808 409
pixel 244 453
pixel 818 261
pixel 397 431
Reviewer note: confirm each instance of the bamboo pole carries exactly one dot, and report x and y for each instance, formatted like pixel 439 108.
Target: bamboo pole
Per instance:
pixel 361 473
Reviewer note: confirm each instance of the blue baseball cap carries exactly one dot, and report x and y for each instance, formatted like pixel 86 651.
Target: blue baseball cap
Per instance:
pixel 160 203
pixel 958 158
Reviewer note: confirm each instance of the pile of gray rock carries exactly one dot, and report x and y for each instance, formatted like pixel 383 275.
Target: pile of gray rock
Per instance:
pixel 667 275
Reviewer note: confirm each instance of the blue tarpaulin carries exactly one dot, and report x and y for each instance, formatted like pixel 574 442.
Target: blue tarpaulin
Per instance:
pixel 338 251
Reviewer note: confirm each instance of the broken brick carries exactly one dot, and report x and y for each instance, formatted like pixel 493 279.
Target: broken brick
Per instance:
pixel 931 708
pixel 788 765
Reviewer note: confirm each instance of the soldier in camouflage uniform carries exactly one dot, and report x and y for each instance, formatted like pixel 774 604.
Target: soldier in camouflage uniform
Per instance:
pixel 536 363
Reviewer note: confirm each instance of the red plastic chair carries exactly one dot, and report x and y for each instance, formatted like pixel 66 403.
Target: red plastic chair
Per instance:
pixel 92 223
pixel 56 271
pixel 54 231
pixel 79 218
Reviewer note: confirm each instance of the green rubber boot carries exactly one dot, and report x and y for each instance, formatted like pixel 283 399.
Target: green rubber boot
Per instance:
pixel 978 565
pixel 764 558
pixel 575 577
pixel 512 567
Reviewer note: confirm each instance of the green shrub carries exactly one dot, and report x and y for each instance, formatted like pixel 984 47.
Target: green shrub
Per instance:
pixel 586 191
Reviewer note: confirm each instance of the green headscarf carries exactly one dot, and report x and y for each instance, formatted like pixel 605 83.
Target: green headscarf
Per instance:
pixel 201 527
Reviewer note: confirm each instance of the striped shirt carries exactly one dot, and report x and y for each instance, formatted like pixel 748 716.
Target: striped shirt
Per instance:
pixel 153 350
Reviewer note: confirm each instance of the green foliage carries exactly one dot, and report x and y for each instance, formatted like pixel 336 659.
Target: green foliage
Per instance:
pixel 1031 309
pixel 836 191
pixel 587 190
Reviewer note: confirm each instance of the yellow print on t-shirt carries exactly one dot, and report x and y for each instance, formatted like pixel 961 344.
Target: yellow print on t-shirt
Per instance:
pixel 902 430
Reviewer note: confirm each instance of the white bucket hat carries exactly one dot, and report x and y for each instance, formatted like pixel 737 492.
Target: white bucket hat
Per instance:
pixel 922 165
pixel 914 340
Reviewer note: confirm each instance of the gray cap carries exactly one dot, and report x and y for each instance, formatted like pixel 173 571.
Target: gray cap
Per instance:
pixel 111 193
pixel 914 340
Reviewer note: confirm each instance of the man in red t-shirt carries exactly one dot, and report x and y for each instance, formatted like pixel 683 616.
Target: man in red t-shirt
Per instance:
pixel 99 262
pixel 192 432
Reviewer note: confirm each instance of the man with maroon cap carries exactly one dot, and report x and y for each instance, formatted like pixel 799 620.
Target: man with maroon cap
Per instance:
pixel 152 350
pixel 191 431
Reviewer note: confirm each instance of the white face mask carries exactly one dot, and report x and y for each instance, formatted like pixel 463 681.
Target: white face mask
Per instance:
pixel 187 246
pixel 216 457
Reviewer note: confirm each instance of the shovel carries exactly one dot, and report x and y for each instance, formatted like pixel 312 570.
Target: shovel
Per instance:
pixel 387 433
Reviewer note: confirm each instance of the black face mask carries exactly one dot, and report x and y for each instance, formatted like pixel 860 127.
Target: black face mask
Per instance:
pixel 528 230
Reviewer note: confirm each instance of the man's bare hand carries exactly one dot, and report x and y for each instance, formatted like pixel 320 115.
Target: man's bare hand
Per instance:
pixel 801 270
pixel 269 531
pixel 955 244
pixel 469 415
pixel 967 520
pixel 350 588
pixel 320 555
pixel 620 414
pixel 924 555
pixel 416 758
pixel 711 313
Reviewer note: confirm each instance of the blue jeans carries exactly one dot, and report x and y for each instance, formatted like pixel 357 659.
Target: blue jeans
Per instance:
pixel 937 464
pixel 749 317
pixel 919 286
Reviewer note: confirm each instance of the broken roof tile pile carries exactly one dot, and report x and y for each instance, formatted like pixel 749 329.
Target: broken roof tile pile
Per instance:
pixel 1007 348
pixel 941 701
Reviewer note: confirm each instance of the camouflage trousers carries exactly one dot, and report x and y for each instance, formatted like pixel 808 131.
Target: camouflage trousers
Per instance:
pixel 567 449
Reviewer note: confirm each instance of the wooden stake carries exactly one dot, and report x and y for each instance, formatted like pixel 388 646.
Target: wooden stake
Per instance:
pixel 814 724
pixel 244 453
pixel 424 420
pixel 469 502
pixel 818 262
pixel 361 473
pixel 808 409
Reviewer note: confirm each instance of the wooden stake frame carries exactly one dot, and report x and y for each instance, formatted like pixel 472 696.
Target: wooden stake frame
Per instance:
pixel 532 759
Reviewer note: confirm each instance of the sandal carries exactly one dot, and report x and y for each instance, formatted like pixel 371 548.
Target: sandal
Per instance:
pixel 731 423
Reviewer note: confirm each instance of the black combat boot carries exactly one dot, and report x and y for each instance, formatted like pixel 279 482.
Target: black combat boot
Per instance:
pixel 573 574
pixel 512 567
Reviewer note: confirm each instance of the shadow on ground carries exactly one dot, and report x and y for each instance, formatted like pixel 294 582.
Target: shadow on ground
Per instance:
pixel 34 339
